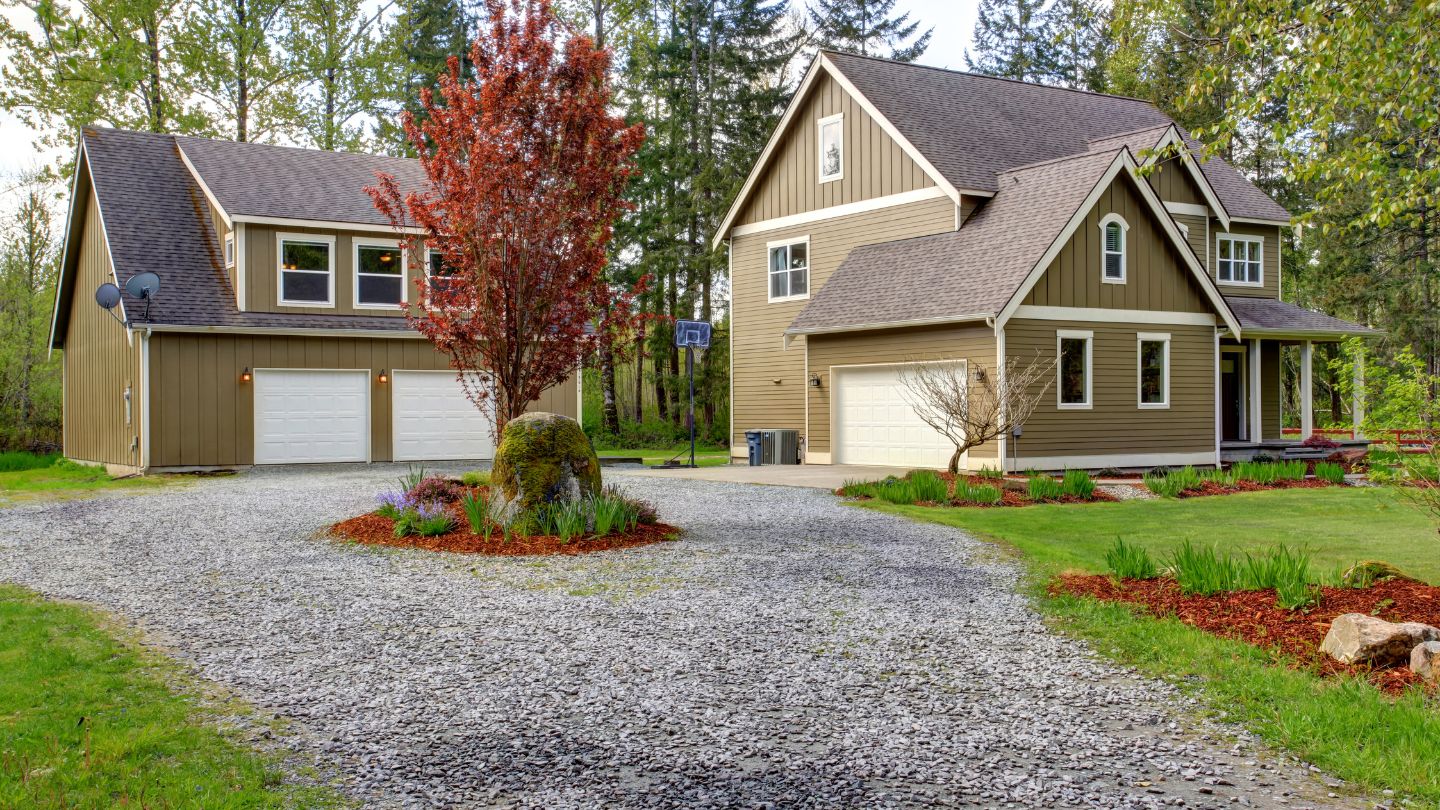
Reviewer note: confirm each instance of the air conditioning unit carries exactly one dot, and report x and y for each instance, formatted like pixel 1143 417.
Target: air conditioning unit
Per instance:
pixel 779 446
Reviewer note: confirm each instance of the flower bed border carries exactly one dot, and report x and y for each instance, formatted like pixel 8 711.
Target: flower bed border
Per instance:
pixel 373 529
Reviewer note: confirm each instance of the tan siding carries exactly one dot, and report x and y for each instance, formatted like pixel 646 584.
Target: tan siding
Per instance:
pixel 1156 279
pixel 1270 259
pixel 1196 236
pixel 1173 183
pixel 758 326
pixel 100 364
pixel 975 344
pixel 262 271
pixel 205 415
pixel 873 165
pixel 968 206
pixel 1116 424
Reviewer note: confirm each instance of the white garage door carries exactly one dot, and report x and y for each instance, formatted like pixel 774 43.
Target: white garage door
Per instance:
pixel 305 416
pixel 434 420
pixel 874 424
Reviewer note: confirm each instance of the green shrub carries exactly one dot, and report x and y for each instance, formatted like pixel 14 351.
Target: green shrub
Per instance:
pixel 1330 472
pixel 476 506
pixel 929 486
pixel 644 510
pixel 896 492
pixel 1256 471
pixel 1079 484
pixel 854 488
pixel 1045 488
pixel 427 519
pixel 16 461
pixel 1130 562
pixel 1188 477
pixel 1290 470
pixel 1224 478
pixel 1287 572
pixel 966 492
pixel 1162 485
pixel 1202 571
pixel 612 515
pixel 565 520
pixel 476 478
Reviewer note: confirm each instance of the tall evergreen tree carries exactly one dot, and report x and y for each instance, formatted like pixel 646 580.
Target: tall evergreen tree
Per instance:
pixel 869 28
pixel 1079 45
pixel 426 32
pixel 1013 39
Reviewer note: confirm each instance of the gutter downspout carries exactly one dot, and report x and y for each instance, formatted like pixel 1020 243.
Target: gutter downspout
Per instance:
pixel 1000 447
pixel 145 400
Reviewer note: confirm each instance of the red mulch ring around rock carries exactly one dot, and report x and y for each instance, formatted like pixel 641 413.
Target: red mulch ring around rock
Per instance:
pixel 380 531
pixel 1253 616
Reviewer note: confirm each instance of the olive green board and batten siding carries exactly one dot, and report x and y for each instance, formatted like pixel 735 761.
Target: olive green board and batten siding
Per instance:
pixel 101 362
pixel 1173 183
pixel 262 271
pixel 203 413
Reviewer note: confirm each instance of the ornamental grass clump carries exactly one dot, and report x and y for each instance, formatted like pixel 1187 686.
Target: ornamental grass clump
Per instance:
pixel 1130 562
pixel 985 494
pixel 1172 483
pixel 1287 572
pixel 428 519
pixel 854 488
pixel 612 515
pixel 1330 472
pixel 412 478
pixel 1223 478
pixel 476 506
pixel 1045 488
pixel 991 472
pixel 1079 484
pixel 567 520
pixel 1202 571
pixel 929 486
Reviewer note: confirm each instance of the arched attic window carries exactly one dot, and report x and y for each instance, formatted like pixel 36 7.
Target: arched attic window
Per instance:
pixel 1113 229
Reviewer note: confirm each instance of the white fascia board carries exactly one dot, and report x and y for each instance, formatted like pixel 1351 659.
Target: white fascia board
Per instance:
pixel 200 181
pixel 289 222
pixel 1253 221
pixel 836 211
pixel 80 161
pixel 1099 315
pixel 406 334
pixel 866 327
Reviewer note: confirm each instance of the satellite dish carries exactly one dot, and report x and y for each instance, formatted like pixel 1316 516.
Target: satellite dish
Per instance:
pixel 143 285
pixel 108 295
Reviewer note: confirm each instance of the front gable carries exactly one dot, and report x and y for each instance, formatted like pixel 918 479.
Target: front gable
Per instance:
pixel 1174 183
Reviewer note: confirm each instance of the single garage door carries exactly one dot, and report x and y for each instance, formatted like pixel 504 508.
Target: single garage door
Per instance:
pixel 874 424
pixel 306 416
pixel 434 420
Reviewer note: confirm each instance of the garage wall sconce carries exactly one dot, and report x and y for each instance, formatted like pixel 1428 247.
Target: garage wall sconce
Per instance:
pixel 814 380
pixel 383 378
pixel 245 375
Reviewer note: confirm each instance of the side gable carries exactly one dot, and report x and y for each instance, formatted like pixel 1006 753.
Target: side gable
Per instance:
pixel 84 233
pixel 1175 184
pixel 874 165
pixel 1156 277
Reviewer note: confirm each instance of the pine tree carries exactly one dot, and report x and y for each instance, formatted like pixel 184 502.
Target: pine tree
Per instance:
pixel 868 28
pixel 1013 39
pixel 1079 45
pixel 427 33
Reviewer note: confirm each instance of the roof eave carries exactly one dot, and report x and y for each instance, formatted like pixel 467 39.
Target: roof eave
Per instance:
pixel 870 327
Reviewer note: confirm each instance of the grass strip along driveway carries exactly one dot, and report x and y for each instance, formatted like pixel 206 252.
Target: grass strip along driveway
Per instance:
pixel 27 477
pixel 90 722
pixel 1345 726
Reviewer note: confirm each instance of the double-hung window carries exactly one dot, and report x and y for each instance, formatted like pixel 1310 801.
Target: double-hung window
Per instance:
pixel 439 275
pixel 379 273
pixel 832 148
pixel 1112 249
pixel 229 250
pixel 789 269
pixel 1075 353
pixel 1239 259
pixel 307 269
pixel 1154 369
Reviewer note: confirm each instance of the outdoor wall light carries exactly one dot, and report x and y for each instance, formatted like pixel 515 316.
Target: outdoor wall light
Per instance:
pixel 814 380
pixel 245 375
pixel 384 378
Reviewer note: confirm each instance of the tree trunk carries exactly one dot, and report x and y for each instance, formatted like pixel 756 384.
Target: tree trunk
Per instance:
pixel 954 465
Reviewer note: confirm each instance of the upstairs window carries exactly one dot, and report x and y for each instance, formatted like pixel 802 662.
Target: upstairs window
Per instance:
pixel 379 273
pixel 789 270
pixel 1239 259
pixel 229 250
pixel 1154 351
pixel 438 274
pixel 307 270
pixel 832 148
pixel 1112 248
pixel 1073 348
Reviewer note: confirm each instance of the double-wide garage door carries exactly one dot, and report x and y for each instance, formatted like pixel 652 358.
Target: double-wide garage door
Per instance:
pixel 876 424
pixel 311 416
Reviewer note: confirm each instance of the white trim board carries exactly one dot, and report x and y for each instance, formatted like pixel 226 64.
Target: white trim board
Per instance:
pixel 281 331
pixel 1120 460
pixel 325 224
pixel 1098 315
pixel 864 327
pixel 1188 209
pixel 205 189
pixel 837 211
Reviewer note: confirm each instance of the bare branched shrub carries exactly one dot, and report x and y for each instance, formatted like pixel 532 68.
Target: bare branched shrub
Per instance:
pixel 969 404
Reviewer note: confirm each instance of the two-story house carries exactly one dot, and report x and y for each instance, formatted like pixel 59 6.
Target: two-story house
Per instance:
pixel 903 214
pixel 278 334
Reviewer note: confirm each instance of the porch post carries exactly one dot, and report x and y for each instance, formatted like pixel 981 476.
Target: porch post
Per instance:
pixel 1253 389
pixel 1307 393
pixel 1357 403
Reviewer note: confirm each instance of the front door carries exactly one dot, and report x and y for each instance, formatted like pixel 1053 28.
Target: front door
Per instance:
pixel 1232 395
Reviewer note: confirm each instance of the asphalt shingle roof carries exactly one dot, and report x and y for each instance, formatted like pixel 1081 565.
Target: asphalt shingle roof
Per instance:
pixel 972 272
pixel 1273 314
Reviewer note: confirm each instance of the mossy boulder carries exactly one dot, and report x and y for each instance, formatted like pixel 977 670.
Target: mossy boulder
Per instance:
pixel 543 459
pixel 1372 571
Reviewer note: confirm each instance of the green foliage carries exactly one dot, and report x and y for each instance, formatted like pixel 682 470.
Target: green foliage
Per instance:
pixel 1287 572
pixel 896 490
pixel 476 506
pixel 966 492
pixel 868 27
pixel 429 519
pixel 1044 488
pixel 17 460
pixel 991 472
pixel 1330 471
pixel 929 486
pixel 1365 573
pixel 566 520
pixel 1173 482
pixel 1224 478
pixel 1399 392
pixel 1127 561
pixel 1269 472
pixel 412 477
pixel 1078 484
pixel 613 514
pixel 30 376
pixel 475 478
pixel 1200 570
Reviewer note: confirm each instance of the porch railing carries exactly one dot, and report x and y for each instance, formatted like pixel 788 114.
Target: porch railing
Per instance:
pixel 1414 440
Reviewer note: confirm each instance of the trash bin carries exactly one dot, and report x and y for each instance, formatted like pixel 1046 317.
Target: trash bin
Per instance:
pixel 753 441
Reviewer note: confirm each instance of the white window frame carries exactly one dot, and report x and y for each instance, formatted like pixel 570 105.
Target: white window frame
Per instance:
pixel 1242 238
pixel 358 242
pixel 1089 338
pixel 785 243
pixel 839 120
pixel 280 271
pixel 1142 338
pixel 1105 223
pixel 229 249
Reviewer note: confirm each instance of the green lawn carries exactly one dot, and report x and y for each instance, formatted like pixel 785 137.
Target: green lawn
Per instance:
pixel 1337 525
pixel 64 479
pixel 705 457
pixel 1344 726
pixel 90 722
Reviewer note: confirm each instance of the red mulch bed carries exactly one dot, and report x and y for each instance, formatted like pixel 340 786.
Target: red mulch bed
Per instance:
pixel 1253 616
pixel 380 531
pixel 1211 488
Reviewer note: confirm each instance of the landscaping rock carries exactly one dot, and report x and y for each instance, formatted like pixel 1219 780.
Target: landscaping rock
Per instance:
pixel 1355 638
pixel 544 458
pixel 1425 661
pixel 1366 572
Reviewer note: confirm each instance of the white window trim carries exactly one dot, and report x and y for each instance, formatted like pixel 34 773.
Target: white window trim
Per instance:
pixel 837 118
pixel 229 249
pixel 769 246
pixel 1105 222
pixel 1153 337
pixel 1239 237
pixel 311 238
pixel 1089 338
pixel 358 242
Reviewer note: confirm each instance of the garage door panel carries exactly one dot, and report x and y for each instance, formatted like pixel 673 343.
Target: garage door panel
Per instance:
pixel 875 424
pixel 434 420
pixel 308 416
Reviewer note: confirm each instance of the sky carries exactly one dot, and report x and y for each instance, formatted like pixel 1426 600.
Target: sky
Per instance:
pixel 953 21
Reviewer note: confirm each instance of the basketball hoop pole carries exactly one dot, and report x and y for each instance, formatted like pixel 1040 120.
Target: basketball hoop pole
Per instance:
pixel 690 369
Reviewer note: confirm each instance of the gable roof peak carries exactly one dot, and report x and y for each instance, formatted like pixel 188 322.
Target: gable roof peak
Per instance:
pixel 974 75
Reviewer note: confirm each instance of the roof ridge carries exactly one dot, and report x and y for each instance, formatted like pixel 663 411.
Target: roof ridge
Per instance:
pixel 1127 132
pixel 1063 158
pixel 974 75
pixel 179 138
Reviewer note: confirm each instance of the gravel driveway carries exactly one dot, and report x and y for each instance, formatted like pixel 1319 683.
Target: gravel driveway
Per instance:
pixel 789 651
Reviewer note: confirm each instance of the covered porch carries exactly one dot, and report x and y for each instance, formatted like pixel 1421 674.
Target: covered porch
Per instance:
pixel 1253 417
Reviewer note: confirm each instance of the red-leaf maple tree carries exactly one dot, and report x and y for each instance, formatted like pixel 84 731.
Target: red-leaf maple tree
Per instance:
pixel 524 169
